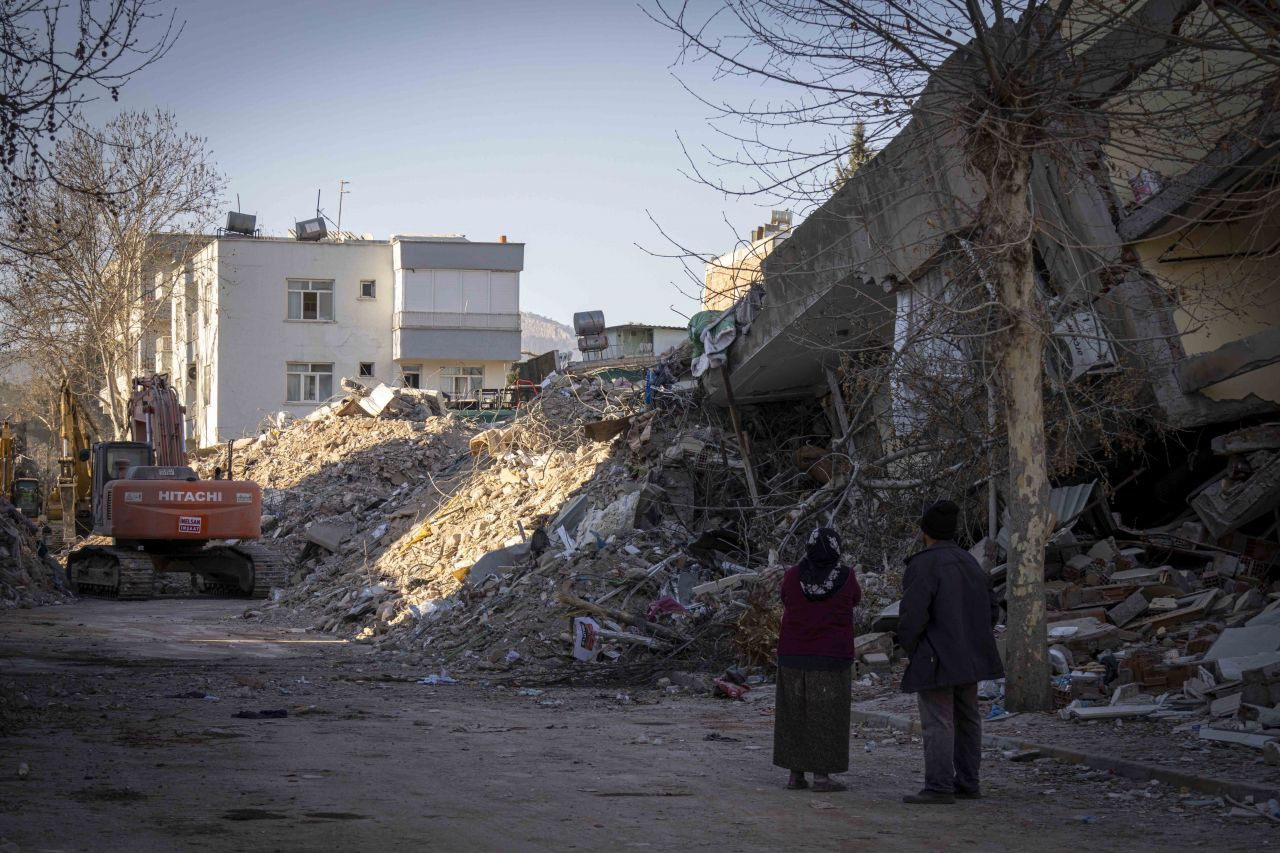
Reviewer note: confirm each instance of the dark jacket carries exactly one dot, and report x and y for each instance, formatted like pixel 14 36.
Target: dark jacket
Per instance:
pixel 945 619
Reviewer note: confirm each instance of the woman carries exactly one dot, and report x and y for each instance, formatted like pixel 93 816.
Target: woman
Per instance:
pixel 815 665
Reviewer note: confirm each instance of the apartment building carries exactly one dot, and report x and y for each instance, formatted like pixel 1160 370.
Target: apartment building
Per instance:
pixel 259 326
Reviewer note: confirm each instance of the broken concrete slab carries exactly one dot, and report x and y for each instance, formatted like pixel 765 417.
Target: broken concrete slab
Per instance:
pixel 1232 669
pixel 498 562
pixel 378 400
pixel 1141 577
pixel 1128 610
pixel 572 513
pixel 1226 706
pixel 1257 741
pixel 1270 615
pixel 1245 642
pixel 887 620
pixel 1196 609
pixel 1225 505
pixel 328 535
pixel 1247 440
pixel 1106 712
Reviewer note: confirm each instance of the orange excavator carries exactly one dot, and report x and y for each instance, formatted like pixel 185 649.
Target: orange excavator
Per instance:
pixel 151 513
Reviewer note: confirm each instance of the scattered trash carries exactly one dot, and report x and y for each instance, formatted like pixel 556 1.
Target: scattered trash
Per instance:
pixel 716 736
pixel 727 688
pixel 438 678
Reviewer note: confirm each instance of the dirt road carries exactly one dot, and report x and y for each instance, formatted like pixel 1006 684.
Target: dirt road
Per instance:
pixel 123 716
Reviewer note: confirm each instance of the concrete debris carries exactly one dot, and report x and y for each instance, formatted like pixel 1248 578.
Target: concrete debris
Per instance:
pixel 29 576
pixel 579 538
pixel 476 546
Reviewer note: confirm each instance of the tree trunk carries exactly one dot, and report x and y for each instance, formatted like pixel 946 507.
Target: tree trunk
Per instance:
pixel 1020 372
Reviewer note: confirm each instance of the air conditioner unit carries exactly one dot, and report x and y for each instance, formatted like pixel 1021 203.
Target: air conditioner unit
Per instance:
pixel 191 372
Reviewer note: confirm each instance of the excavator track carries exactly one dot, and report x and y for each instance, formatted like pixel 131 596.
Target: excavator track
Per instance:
pixel 110 572
pixel 269 568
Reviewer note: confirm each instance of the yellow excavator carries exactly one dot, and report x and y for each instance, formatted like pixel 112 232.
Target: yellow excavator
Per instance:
pixel 22 492
pixel 69 507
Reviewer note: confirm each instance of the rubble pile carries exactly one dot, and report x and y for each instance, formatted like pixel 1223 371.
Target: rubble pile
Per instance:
pixel 559 539
pixel 329 483
pixel 1179 623
pixel 28 575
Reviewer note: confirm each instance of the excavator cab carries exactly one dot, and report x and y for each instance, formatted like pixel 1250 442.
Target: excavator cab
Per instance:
pixel 26 496
pixel 112 461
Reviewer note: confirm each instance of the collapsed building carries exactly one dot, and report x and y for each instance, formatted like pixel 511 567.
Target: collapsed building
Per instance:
pixel 1164 560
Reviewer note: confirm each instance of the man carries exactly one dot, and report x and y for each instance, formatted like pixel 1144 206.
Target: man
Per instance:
pixel 948 610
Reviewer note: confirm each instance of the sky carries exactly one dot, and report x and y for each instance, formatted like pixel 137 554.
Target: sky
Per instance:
pixel 554 123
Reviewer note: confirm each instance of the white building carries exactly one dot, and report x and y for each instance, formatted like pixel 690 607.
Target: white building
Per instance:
pixel 264 325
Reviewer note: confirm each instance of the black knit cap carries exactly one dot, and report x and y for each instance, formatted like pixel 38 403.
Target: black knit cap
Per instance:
pixel 939 520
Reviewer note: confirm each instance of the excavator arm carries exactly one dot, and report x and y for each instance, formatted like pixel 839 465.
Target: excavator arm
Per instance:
pixel 156 418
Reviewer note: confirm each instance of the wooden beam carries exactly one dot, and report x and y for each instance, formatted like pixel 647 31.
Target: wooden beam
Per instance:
pixel 837 402
pixel 1229 360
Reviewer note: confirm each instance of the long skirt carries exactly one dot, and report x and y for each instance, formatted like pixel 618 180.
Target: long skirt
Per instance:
pixel 811 723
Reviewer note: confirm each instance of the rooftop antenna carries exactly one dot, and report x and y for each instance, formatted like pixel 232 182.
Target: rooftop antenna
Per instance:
pixel 342 190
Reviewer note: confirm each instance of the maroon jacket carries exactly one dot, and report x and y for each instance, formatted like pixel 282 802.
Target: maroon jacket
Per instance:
pixel 822 628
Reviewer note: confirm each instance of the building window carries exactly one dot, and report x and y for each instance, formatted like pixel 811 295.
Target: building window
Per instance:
pixel 366 368
pixel 411 377
pixel 368 289
pixel 310 300
pixel 462 383
pixel 308 382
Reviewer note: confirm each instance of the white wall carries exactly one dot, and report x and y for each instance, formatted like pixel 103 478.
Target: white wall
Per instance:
pixel 257 340
pixel 665 339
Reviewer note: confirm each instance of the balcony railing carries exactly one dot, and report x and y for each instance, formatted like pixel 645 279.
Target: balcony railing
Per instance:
pixel 447 320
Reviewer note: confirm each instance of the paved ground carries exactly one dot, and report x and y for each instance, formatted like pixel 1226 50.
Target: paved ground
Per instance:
pixel 365 762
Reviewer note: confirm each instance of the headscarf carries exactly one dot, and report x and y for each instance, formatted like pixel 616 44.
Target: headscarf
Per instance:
pixel 821 574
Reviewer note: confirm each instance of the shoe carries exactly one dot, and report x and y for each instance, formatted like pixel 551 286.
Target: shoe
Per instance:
pixel 975 794
pixel 829 787
pixel 929 798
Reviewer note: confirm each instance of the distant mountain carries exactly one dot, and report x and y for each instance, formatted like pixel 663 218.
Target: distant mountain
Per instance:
pixel 539 334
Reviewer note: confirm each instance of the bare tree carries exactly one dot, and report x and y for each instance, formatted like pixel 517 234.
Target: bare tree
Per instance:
pixel 55 56
pixel 96 260
pixel 1009 87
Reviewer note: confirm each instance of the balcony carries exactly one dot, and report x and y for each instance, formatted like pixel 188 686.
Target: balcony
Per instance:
pixel 446 320
pixel 434 335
